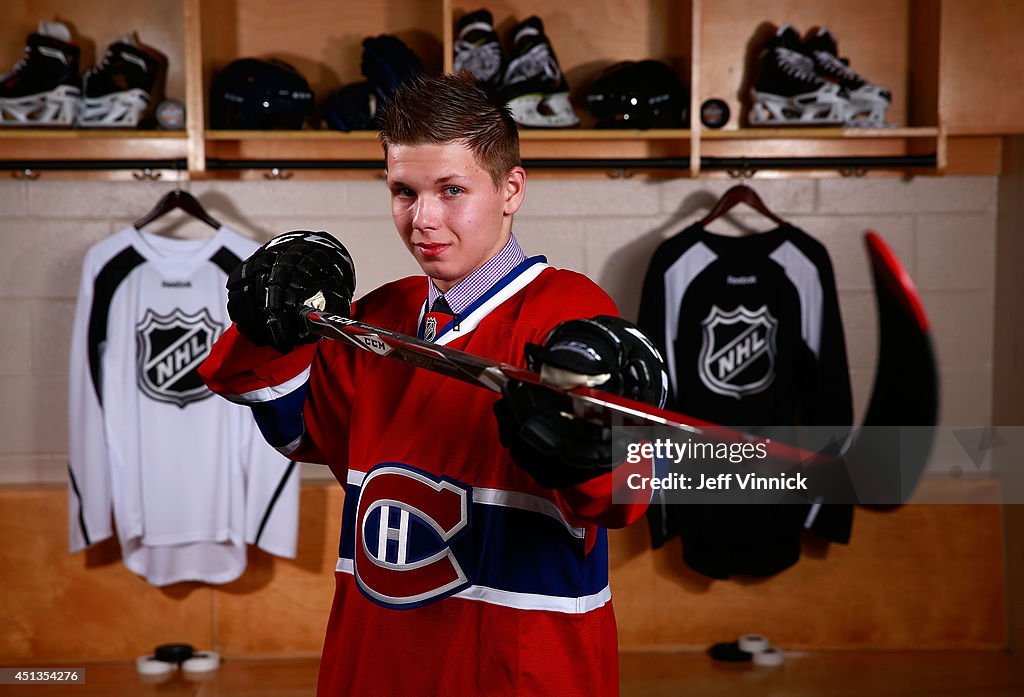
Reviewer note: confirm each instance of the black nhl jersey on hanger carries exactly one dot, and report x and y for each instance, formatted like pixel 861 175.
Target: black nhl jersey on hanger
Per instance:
pixel 752 335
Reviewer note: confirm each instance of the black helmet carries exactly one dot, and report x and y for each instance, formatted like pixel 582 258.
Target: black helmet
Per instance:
pixel 255 94
pixel 638 94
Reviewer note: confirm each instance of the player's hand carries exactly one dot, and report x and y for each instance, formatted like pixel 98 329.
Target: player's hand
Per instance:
pixel 536 423
pixel 554 448
pixel 293 270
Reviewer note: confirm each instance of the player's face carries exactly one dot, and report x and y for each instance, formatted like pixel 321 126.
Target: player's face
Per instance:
pixel 447 209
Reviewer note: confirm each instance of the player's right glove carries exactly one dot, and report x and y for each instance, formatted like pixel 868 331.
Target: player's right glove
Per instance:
pixel 535 423
pixel 293 270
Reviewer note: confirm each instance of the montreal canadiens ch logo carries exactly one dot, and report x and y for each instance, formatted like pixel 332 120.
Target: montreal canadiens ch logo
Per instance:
pixel 170 349
pixel 737 354
pixel 407 521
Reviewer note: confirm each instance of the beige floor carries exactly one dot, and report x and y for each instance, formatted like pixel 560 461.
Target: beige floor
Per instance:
pixel 822 674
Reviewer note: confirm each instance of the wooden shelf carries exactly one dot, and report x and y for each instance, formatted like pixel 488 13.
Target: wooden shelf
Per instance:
pixel 825 133
pixel 92 144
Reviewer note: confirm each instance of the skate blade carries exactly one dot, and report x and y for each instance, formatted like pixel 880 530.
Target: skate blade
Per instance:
pixel 543 110
pixel 58 107
pixel 116 110
pixel 824 108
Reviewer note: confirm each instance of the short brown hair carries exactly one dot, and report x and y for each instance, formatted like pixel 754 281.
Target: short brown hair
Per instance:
pixel 453 108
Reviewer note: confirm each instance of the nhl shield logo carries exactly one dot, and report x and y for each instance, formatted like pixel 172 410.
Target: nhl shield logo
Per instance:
pixel 170 349
pixel 430 328
pixel 737 355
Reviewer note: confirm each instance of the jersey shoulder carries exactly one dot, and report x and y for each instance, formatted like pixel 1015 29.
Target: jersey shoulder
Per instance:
pixel 109 248
pixel 560 294
pixel 236 242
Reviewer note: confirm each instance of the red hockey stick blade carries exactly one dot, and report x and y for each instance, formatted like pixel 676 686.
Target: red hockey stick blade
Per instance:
pixel 906 390
pixel 595 405
pixel 889 453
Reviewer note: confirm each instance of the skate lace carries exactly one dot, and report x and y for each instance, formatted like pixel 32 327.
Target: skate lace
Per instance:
pixel 835 66
pixel 538 61
pixel 99 67
pixel 796 64
pixel 18 66
pixel 485 58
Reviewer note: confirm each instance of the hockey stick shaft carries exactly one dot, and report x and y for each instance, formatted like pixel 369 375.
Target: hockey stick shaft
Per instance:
pixel 490 374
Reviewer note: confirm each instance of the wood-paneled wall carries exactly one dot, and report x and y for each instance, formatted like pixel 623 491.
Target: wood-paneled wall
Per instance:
pixel 919 577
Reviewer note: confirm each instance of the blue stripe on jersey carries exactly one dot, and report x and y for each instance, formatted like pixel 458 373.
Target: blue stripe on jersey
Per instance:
pixel 507 549
pixel 280 420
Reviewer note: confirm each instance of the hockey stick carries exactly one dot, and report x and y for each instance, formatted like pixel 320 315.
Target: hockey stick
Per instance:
pixel 905 384
pixel 596 405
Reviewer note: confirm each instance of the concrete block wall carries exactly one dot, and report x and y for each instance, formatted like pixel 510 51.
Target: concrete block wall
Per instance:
pixel 943 229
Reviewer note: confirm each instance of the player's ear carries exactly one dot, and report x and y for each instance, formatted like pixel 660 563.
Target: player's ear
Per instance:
pixel 514 189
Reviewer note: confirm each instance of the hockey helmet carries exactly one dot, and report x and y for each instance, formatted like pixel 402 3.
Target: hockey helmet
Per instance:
pixel 256 94
pixel 638 94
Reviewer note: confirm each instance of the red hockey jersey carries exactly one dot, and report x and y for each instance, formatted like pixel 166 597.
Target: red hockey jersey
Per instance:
pixel 457 574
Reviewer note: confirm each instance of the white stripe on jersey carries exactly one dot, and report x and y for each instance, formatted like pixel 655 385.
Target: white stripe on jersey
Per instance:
pixel 518 601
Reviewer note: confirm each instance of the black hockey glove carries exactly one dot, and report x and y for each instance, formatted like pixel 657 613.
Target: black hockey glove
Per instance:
pixel 266 291
pixel 535 423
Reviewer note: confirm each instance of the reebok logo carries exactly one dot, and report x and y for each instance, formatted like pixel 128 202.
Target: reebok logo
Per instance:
pixel 175 284
pixel 741 280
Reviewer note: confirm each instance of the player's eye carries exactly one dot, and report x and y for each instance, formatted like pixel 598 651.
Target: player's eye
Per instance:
pixel 452 190
pixel 402 191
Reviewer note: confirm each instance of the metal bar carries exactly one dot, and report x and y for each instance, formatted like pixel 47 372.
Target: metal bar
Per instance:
pixel 215 163
pixel 756 163
pixel 42 165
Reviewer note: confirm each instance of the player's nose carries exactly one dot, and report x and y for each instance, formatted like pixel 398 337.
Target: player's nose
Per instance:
pixel 426 213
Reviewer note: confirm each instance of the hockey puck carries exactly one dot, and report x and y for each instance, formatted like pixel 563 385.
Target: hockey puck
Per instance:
pixel 202 662
pixel 714 113
pixel 768 657
pixel 174 653
pixel 170 115
pixel 730 652
pixel 753 643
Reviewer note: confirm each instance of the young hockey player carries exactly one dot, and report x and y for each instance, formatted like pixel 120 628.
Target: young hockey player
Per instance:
pixel 473 557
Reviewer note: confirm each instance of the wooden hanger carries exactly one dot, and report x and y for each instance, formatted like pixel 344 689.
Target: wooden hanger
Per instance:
pixel 177 199
pixel 741 193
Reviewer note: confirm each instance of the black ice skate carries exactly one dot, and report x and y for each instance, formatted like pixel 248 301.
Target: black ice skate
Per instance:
pixel 477 49
pixel 868 102
pixel 533 85
pixel 789 91
pixel 42 87
pixel 119 90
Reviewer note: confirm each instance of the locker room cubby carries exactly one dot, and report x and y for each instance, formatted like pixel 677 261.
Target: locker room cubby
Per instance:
pixel 892 44
pixel 94 26
pixel 951 98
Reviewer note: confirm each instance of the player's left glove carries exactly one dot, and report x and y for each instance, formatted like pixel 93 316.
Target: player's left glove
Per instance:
pixel 535 423
pixel 293 270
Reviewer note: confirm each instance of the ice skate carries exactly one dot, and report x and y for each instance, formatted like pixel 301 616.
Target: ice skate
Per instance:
pixel 533 85
pixel 42 87
pixel 868 102
pixel 790 92
pixel 477 48
pixel 119 91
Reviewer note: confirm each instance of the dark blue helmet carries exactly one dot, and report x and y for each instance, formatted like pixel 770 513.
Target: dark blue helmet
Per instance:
pixel 256 94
